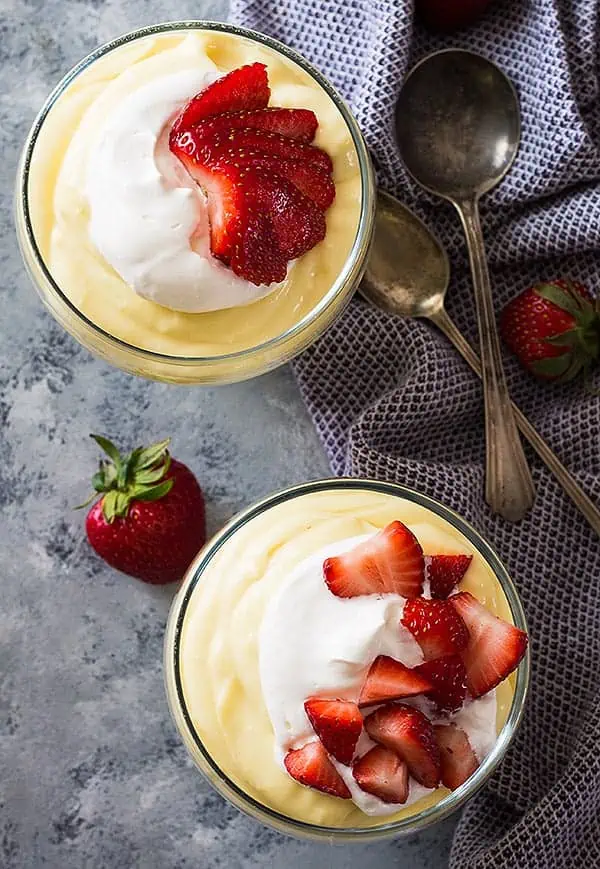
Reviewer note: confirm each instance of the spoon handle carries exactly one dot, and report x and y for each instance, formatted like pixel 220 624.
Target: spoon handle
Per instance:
pixel 509 486
pixel 550 459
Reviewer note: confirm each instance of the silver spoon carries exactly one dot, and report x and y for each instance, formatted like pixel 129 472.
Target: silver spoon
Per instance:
pixel 458 130
pixel 407 275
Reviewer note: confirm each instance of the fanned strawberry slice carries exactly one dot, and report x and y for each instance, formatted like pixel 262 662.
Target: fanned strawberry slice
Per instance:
pixel 382 773
pixel 242 89
pixel 457 758
pixel 445 572
pixel 256 255
pixel 312 181
pixel 312 767
pixel 390 562
pixel 389 679
pixel 219 146
pixel 298 224
pixel 436 626
pixel 448 678
pixel 495 647
pixel 407 732
pixel 299 124
pixel 337 723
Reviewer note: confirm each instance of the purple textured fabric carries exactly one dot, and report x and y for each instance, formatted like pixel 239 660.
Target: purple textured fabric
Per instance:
pixel 392 400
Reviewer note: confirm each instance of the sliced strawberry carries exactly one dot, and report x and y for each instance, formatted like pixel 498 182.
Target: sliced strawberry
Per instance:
pixel 298 224
pixel 256 256
pixel 243 89
pixel 226 202
pixel 390 562
pixel 448 678
pixel 382 773
pixel 457 758
pixel 389 679
pixel 406 731
pixel 436 626
pixel 299 124
pixel 219 146
pixel 445 572
pixel 310 180
pixel 337 723
pixel 495 647
pixel 311 766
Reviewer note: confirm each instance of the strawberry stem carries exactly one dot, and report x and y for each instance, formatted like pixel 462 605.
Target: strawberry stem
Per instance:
pixel 137 476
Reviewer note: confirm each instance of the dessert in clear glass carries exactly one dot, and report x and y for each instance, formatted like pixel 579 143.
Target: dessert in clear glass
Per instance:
pixel 130 235
pixel 347 660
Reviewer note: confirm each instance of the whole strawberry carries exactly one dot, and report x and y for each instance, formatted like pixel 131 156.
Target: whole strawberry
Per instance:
pixel 450 14
pixel 150 521
pixel 554 329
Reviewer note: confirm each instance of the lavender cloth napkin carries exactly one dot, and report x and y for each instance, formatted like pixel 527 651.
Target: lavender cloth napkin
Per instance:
pixel 392 400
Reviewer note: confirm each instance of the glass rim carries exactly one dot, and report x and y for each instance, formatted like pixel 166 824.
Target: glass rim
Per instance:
pixel 347 277
pixel 236 794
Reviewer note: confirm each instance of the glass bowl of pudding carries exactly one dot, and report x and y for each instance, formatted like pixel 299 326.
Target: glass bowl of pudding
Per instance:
pixel 294 669
pixel 118 238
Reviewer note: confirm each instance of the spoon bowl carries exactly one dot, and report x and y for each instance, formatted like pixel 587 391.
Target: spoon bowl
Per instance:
pixel 458 124
pixel 408 269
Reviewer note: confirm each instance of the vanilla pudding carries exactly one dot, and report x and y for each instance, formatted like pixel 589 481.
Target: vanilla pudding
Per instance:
pixel 122 230
pixel 258 632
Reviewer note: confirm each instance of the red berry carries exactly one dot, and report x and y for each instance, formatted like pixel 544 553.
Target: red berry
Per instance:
pixel 337 723
pixel 436 626
pixel 300 124
pixel 448 679
pixel 554 329
pixel 150 521
pixel 458 760
pixel 408 733
pixel 388 679
pixel 243 89
pixel 495 647
pixel 312 767
pixel 390 562
pixel 382 773
pixel 444 572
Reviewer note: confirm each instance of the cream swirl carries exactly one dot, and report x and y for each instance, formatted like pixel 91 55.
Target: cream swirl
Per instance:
pixel 148 218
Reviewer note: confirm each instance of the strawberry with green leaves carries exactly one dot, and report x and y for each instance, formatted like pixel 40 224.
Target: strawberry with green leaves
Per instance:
pixel 150 519
pixel 554 329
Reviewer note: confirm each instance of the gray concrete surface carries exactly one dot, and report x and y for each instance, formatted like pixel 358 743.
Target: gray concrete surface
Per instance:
pixel 93 775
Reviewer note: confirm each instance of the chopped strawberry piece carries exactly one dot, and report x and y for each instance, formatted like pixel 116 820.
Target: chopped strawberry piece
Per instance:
pixel 445 572
pixel 406 731
pixel 243 89
pixel 299 124
pixel 390 562
pixel 337 723
pixel 448 678
pixel 218 146
pixel 436 626
pixel 389 679
pixel 457 758
pixel 312 767
pixel 382 773
pixel 495 647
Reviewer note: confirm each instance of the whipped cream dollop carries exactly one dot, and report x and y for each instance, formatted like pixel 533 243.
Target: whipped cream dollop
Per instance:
pixel 313 643
pixel 148 218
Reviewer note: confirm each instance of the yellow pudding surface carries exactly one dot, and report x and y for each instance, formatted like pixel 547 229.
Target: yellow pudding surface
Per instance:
pixel 219 646
pixel 60 211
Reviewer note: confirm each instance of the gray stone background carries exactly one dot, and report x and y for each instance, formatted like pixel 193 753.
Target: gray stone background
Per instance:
pixel 92 772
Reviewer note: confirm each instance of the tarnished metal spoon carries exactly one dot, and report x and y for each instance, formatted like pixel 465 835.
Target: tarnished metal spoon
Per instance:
pixel 407 275
pixel 458 131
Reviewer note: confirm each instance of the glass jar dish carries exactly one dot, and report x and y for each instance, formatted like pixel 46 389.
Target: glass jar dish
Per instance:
pixel 281 509
pixel 242 363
